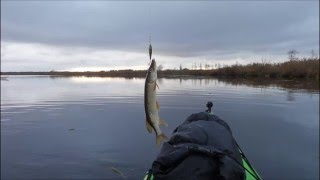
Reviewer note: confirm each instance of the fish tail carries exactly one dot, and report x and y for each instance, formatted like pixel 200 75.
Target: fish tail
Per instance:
pixel 149 128
pixel 161 137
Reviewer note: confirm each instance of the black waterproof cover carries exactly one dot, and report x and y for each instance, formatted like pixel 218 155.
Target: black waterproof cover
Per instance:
pixel 202 147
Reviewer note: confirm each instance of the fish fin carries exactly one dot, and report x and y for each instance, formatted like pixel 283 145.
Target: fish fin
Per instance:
pixel 161 137
pixel 163 122
pixel 155 86
pixel 158 105
pixel 149 128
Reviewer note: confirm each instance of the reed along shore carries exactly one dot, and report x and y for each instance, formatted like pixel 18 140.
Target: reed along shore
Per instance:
pixel 302 69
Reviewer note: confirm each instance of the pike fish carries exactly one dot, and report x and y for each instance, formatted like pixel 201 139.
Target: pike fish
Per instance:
pixel 151 104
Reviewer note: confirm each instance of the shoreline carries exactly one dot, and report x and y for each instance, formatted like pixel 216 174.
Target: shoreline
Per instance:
pixel 161 74
pixel 295 84
pixel 295 69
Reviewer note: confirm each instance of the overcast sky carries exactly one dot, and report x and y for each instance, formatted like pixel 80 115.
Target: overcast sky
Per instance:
pixel 103 35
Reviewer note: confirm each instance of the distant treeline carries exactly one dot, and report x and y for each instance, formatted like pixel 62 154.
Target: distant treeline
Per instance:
pixel 303 68
pixel 112 73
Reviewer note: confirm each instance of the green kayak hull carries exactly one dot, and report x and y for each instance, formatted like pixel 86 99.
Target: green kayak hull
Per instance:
pixel 251 173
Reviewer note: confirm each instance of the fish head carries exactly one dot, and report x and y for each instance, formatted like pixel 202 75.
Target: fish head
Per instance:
pixel 153 64
pixel 152 71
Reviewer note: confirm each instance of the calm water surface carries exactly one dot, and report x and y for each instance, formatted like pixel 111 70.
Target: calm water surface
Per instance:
pixel 78 127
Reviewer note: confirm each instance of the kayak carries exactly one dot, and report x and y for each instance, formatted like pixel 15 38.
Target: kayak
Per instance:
pixel 207 122
pixel 251 173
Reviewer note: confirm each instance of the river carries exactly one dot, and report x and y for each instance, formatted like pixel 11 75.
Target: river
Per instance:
pixel 81 127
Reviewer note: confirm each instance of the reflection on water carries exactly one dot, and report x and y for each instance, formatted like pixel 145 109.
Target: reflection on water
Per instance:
pixel 275 122
pixel 310 85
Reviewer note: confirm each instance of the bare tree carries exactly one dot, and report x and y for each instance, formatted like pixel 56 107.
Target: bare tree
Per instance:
pixel 160 67
pixel 180 67
pixel 313 55
pixel 263 60
pixel 292 54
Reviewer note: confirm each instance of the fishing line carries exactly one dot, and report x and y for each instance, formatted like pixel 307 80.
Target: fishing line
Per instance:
pixel 149 29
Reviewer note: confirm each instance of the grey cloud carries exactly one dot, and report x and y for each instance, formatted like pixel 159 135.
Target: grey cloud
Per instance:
pixel 177 28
